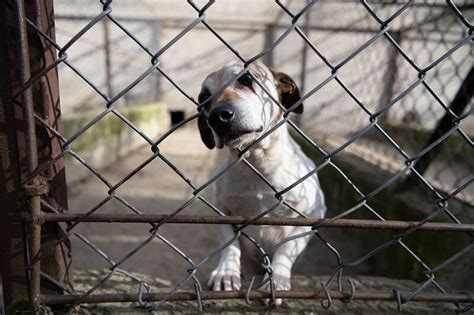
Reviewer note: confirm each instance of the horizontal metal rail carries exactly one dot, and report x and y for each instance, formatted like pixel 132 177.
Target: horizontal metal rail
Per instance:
pixel 256 295
pixel 237 220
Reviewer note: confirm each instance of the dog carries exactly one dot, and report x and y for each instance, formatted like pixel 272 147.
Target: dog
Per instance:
pixel 233 119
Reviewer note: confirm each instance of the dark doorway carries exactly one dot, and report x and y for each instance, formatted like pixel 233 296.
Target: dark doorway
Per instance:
pixel 177 116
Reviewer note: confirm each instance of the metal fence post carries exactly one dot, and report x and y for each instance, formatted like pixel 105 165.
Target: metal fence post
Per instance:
pixel 391 74
pixel 304 58
pixel 12 259
pixel 26 146
pixel 108 66
pixel 269 37
pixel 47 104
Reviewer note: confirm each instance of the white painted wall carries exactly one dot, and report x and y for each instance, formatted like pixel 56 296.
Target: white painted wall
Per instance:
pixel 242 24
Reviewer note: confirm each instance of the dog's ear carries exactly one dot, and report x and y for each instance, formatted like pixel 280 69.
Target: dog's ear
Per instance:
pixel 288 91
pixel 206 133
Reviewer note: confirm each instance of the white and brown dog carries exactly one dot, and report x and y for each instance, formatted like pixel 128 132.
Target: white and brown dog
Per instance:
pixel 234 118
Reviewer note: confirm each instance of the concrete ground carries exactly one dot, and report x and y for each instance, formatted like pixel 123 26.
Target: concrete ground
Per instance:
pixel 123 285
pixel 157 189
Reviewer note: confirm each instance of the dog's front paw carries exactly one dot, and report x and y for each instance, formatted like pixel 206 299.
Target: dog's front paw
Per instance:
pixel 226 276
pixel 281 282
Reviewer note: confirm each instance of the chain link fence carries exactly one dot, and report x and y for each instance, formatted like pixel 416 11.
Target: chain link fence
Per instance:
pixel 416 102
pixel 382 72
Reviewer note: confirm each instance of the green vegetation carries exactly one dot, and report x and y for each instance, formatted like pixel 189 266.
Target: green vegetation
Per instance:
pixel 111 131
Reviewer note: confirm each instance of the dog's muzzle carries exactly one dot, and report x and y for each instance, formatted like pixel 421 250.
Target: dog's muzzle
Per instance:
pixel 220 118
pixel 227 123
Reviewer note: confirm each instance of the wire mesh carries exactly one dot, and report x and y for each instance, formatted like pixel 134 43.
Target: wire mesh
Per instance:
pixel 409 76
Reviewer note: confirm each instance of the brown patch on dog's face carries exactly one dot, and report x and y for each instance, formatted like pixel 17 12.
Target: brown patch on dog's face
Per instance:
pixel 240 112
pixel 228 96
pixel 288 91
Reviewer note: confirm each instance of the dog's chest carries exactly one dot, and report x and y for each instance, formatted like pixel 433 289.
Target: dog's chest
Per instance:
pixel 242 193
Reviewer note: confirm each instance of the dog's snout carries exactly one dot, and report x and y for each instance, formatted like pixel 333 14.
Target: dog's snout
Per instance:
pixel 221 116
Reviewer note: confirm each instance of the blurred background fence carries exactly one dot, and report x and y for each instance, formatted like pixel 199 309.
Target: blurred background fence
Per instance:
pixel 377 75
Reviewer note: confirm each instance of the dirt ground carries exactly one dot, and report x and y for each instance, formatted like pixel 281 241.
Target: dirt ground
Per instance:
pixel 158 189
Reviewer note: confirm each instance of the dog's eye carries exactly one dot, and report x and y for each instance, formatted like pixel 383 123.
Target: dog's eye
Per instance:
pixel 245 79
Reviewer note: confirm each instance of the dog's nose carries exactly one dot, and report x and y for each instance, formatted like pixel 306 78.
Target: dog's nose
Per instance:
pixel 221 116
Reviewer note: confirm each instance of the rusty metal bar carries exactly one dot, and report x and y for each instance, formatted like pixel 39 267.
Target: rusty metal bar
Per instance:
pixel 25 74
pixel 34 247
pixel 51 170
pixel 13 252
pixel 256 295
pixel 34 229
pixel 202 219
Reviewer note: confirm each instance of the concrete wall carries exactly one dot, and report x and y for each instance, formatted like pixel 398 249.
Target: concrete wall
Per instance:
pixel 111 139
pixel 88 56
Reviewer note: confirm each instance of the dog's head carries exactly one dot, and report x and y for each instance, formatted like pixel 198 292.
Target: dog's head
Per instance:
pixel 242 111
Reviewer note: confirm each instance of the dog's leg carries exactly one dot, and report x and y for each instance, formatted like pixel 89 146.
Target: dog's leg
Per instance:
pixel 227 273
pixel 284 258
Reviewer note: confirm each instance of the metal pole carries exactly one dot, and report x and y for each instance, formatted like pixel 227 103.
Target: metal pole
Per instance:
pixel 12 249
pixel 257 295
pixel 304 57
pixel 269 37
pixel 198 219
pixel 108 66
pixel 34 229
pixel 47 105
pixel 391 73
